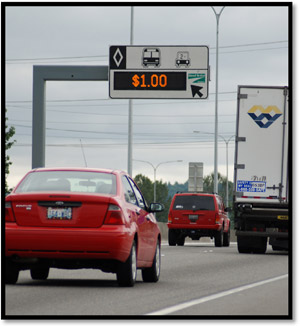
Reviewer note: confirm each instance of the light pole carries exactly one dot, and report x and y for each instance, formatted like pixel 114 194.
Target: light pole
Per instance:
pixel 155 168
pixel 216 101
pixel 129 162
pixel 226 142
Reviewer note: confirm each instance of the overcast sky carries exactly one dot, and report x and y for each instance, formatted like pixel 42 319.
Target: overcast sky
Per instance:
pixel 83 123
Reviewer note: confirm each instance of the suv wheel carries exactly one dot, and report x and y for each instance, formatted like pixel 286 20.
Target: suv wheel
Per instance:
pixel 226 238
pixel 39 273
pixel 172 237
pixel 219 238
pixel 11 272
pixel 180 240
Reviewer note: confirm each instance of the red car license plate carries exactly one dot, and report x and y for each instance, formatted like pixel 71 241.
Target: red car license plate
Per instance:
pixel 59 213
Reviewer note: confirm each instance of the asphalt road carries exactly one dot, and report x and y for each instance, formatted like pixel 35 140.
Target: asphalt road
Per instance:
pixel 196 280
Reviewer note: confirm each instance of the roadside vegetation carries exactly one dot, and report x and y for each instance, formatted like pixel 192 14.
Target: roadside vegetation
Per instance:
pixel 9 133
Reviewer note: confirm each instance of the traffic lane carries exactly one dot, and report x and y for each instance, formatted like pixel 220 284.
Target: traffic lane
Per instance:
pixel 221 268
pixel 189 272
pixel 239 301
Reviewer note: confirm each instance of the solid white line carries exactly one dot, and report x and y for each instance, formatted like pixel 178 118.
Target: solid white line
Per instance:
pixel 191 303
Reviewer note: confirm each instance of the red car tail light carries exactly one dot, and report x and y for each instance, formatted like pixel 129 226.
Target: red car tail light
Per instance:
pixel 9 214
pixel 114 215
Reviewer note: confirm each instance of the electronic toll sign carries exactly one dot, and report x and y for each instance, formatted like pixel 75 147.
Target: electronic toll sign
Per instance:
pixel 145 72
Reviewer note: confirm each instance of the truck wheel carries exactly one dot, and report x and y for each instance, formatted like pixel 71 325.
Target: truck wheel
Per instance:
pixel 11 272
pixel 261 246
pixel 172 237
pixel 243 245
pixel 152 274
pixel 219 238
pixel 39 273
pixel 226 238
pixel 126 273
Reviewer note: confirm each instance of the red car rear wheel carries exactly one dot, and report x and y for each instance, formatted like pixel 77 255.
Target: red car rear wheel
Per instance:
pixel 126 273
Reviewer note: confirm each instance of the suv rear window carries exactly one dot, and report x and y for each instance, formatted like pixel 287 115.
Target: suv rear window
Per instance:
pixel 194 203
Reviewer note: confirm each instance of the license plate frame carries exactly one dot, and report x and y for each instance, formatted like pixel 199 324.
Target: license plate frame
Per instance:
pixel 193 217
pixel 59 213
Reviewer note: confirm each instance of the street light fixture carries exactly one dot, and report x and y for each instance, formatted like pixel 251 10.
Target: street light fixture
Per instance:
pixel 155 168
pixel 226 142
pixel 216 101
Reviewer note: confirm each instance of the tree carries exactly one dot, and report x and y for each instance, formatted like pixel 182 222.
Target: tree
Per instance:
pixel 8 144
pixel 177 187
pixel 208 186
pixel 162 195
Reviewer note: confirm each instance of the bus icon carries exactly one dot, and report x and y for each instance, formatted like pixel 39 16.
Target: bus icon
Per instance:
pixel 151 57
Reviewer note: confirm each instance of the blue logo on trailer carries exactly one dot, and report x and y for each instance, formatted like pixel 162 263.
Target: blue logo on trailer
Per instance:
pixel 264 117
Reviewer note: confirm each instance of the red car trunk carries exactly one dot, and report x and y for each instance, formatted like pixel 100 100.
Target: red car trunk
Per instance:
pixel 60 210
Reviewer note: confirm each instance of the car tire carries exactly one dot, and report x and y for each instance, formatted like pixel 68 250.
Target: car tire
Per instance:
pixel 152 274
pixel 172 237
pixel 11 272
pixel 226 238
pixel 219 238
pixel 39 273
pixel 126 272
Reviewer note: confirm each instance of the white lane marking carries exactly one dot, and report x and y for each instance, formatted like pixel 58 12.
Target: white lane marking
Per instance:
pixel 194 302
pixel 198 244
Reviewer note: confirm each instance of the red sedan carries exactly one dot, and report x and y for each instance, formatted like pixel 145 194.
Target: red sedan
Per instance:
pixel 74 218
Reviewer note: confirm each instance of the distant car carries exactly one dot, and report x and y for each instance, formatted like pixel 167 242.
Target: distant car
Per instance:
pixel 74 218
pixel 197 215
pixel 183 59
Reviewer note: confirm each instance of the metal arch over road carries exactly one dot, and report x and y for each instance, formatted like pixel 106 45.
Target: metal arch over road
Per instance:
pixel 41 74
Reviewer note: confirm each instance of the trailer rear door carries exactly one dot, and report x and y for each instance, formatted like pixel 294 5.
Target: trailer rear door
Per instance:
pixel 261 157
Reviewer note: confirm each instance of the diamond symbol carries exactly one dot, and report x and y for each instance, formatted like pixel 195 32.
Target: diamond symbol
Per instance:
pixel 118 57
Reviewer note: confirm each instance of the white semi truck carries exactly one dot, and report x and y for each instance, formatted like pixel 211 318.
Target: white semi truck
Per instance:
pixel 261 176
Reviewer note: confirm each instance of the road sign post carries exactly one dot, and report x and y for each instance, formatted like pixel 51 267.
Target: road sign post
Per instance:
pixel 171 72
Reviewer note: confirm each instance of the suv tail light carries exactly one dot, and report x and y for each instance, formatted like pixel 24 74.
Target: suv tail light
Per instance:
pixel 218 218
pixel 170 217
pixel 9 214
pixel 114 215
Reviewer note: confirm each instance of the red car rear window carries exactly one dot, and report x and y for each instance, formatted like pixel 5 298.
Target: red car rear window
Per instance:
pixel 194 203
pixel 71 181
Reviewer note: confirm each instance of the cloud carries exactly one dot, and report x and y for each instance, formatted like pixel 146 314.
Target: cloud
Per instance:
pixel 163 129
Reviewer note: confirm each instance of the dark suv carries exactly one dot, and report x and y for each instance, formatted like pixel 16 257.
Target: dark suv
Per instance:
pixel 197 215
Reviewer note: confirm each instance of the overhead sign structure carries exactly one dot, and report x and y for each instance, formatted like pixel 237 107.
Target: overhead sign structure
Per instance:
pixel 195 181
pixel 158 72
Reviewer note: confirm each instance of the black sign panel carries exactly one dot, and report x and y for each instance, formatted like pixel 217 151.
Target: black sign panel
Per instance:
pixel 117 57
pixel 150 80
